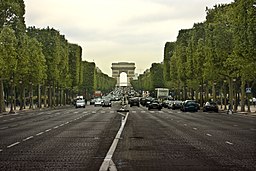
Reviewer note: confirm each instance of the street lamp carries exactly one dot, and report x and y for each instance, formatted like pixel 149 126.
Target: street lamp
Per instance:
pixel 235 95
pixel 21 93
pixel 225 95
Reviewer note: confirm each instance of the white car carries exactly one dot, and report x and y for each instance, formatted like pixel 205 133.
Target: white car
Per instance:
pixel 98 102
pixel 80 103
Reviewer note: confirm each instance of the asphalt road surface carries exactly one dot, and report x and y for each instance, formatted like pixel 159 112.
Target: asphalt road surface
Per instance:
pixel 79 139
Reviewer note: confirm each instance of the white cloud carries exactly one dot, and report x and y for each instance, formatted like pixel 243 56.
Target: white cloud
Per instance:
pixel 118 30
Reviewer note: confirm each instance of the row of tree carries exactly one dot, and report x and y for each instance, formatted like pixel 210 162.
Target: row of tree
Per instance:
pixel 43 59
pixel 216 56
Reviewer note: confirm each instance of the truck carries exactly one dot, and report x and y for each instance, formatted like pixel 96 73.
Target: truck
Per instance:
pixel 162 93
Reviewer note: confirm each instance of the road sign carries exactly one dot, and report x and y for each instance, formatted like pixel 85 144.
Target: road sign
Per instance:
pixel 248 90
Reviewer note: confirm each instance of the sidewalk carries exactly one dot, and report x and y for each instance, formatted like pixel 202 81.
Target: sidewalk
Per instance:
pixel 252 108
pixel 17 109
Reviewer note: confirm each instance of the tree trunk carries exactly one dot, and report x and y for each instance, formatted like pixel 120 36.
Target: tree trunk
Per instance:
pixel 243 95
pixel 230 81
pixel 2 102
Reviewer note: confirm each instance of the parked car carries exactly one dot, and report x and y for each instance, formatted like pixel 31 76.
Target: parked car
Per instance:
pixel 135 101
pixel 166 103
pixel 189 106
pixel 80 103
pixel 175 105
pixel 210 106
pixel 154 105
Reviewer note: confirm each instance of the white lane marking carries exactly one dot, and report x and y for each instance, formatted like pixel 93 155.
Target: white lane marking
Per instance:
pixel 209 135
pixel 40 133
pixel 3 128
pixel 61 125
pixel 161 112
pixel 103 112
pixel 75 112
pixel 9 146
pixel 143 111
pixel 67 122
pixel 84 112
pixel 194 128
pixel 105 166
pixel 235 125
pixel 185 125
pixel 133 111
pixel 1 150
pixel 47 130
pixel 56 127
pixel 230 143
pixel 111 111
pixel 93 111
pixel 28 138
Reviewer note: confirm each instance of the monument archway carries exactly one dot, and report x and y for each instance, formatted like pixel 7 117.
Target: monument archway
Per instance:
pixel 120 67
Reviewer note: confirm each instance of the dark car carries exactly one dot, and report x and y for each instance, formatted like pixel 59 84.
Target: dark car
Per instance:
pixel 189 106
pixel 210 106
pixel 106 103
pixel 155 105
pixel 135 101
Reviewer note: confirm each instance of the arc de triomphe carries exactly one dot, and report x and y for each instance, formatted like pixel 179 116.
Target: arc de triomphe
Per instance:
pixel 120 67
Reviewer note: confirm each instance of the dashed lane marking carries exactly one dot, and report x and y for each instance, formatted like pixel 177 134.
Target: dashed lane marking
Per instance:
pixel 47 130
pixel 28 138
pixel 55 127
pixel 12 145
pixel 40 133
pixel 194 128
pixel 230 143
pixel 3 128
pixel 209 135
pixel 185 125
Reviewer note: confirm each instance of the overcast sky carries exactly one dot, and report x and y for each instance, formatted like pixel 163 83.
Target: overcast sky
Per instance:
pixel 119 30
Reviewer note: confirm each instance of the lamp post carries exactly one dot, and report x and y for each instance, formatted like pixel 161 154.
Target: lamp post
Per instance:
pixel 225 95
pixel 201 95
pixel 235 95
pixel 205 93
pixel 21 94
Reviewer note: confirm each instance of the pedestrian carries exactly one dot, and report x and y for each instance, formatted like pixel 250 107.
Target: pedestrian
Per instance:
pixel 229 109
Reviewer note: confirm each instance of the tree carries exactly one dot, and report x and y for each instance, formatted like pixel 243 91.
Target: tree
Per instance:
pixel 8 61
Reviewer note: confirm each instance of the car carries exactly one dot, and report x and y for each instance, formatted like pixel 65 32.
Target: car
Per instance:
pixel 166 103
pixel 80 103
pixel 210 106
pixel 92 101
pixel 98 102
pixel 189 106
pixel 175 105
pixel 106 103
pixel 135 101
pixel 154 105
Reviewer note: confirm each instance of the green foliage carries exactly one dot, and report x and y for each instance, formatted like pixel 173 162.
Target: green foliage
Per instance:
pixel 8 53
